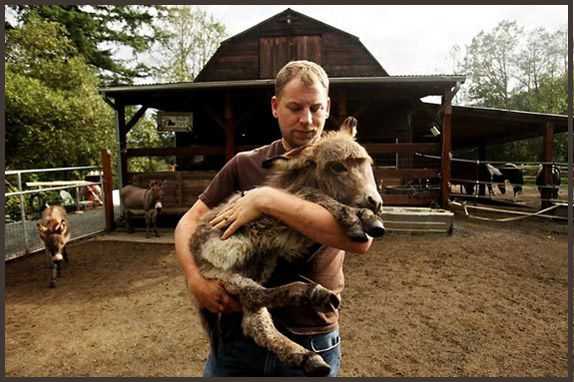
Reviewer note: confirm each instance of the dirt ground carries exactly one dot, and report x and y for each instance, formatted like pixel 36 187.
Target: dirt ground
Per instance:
pixel 490 300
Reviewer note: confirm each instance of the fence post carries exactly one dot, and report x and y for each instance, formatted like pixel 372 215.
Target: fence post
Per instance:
pixel 23 214
pixel 108 189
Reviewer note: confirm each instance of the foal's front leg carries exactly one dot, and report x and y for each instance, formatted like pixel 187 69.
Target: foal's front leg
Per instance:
pixel 357 222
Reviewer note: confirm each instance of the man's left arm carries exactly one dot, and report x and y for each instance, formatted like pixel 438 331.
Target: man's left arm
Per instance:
pixel 311 219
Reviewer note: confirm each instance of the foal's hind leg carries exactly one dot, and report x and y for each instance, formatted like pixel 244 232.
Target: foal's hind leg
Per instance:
pixel 258 325
pixel 254 296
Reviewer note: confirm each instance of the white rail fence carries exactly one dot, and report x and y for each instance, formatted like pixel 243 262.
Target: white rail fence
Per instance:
pixel 25 201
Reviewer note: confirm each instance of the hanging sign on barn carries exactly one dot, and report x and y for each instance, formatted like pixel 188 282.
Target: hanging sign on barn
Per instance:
pixel 177 122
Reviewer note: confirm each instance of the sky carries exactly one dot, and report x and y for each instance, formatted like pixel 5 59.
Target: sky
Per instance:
pixel 405 39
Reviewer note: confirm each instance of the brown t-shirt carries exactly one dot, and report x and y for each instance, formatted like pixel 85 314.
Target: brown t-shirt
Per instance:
pixel 324 266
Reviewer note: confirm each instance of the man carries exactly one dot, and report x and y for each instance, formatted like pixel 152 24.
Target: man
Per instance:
pixel 301 105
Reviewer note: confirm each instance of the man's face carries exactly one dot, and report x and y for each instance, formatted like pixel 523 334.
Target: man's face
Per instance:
pixel 301 112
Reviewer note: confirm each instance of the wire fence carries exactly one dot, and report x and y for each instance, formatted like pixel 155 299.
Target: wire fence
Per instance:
pixel 529 169
pixel 27 196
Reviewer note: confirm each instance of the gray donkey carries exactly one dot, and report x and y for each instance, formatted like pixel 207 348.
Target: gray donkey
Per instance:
pixel 140 198
pixel 336 173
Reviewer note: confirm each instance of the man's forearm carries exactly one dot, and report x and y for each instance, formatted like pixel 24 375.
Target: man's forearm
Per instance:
pixel 183 232
pixel 311 219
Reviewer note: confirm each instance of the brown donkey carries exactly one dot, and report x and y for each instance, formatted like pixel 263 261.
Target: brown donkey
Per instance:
pixel 54 230
pixel 336 173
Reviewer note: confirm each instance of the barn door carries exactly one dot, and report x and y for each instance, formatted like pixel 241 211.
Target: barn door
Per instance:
pixel 274 52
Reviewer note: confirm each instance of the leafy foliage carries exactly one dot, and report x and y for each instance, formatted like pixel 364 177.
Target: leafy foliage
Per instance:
pixel 489 62
pixel 192 38
pixel 508 68
pixel 97 31
pixel 54 114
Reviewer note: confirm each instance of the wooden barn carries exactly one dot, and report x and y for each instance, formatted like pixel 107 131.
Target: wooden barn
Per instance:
pixel 227 110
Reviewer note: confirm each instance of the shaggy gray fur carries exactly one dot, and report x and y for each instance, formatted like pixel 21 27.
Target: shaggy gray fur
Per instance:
pixel 336 173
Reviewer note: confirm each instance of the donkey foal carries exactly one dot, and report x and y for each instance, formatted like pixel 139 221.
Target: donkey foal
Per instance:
pixel 336 173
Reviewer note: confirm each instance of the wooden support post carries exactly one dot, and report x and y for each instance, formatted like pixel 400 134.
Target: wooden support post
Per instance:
pixel 547 156
pixel 229 128
pixel 106 158
pixel 446 153
pixel 122 143
pixel 481 158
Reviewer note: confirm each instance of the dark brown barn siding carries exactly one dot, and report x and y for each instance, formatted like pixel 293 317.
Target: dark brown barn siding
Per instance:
pixel 345 56
pixel 274 52
pixel 232 62
pixel 261 51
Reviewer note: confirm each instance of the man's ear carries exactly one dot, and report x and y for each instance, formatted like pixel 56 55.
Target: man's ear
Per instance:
pixel 274 105
pixel 328 110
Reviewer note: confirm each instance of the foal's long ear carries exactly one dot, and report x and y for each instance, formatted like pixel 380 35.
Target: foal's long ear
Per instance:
pixel 349 126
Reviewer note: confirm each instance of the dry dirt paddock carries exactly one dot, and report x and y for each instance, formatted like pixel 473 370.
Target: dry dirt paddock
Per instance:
pixel 490 300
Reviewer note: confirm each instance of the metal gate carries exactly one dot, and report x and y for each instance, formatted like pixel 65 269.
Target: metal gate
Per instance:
pixel 81 196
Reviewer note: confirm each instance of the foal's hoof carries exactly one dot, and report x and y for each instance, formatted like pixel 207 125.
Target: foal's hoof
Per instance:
pixel 52 284
pixel 376 229
pixel 358 235
pixel 324 299
pixel 315 366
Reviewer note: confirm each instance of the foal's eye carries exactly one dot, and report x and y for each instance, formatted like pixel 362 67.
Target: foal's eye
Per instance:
pixel 338 167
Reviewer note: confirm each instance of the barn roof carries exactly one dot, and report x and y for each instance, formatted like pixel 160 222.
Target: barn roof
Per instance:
pixel 243 51
pixel 286 17
pixel 473 125
pixel 154 95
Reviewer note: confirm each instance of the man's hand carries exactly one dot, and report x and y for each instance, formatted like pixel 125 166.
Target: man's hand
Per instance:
pixel 241 211
pixel 211 294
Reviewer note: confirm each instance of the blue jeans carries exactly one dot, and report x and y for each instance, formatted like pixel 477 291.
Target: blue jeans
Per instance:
pixel 234 355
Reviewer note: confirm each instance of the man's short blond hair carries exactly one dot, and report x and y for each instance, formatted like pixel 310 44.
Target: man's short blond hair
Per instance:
pixel 309 72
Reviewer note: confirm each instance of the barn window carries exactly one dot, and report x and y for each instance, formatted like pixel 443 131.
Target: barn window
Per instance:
pixel 274 52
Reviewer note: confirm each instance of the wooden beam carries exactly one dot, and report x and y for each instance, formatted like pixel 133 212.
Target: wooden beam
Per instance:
pixel 406 172
pixel 110 102
pixel 482 158
pixel 547 156
pixel 106 163
pixel 135 118
pixel 381 148
pixel 122 143
pixel 186 151
pixel 422 199
pixel 446 152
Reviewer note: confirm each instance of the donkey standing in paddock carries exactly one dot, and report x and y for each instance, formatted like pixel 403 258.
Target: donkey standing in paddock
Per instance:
pixel 140 198
pixel 54 230
pixel 334 172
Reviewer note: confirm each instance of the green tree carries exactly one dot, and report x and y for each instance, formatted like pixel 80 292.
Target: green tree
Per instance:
pixel 509 69
pixel 54 114
pixel 192 37
pixel 97 31
pixel 489 62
